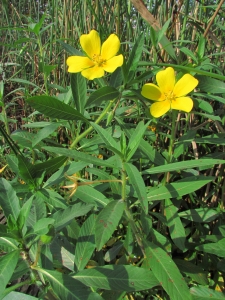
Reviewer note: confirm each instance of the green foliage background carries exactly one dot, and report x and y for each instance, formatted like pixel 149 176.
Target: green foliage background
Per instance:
pixel 144 218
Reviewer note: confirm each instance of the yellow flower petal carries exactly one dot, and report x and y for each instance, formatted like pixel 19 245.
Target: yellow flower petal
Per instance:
pixel 158 109
pixel 91 43
pixel 113 63
pixel 185 85
pixel 152 92
pixel 182 103
pixel 78 63
pixel 110 47
pixel 166 80
pixel 92 73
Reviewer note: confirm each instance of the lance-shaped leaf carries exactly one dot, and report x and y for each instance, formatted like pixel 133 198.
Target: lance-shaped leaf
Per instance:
pixel 64 217
pixel 86 243
pixel 175 225
pixel 135 56
pixel 54 108
pixel 66 287
pixel 106 93
pixel 214 248
pixel 179 188
pixel 18 296
pixel 204 293
pixel 8 199
pixel 108 139
pixel 79 156
pixel 135 139
pixel 184 165
pixel 89 194
pixel 107 221
pixel 7 266
pixel 79 91
pixel 118 278
pixel 44 132
pixel 138 184
pixel 166 271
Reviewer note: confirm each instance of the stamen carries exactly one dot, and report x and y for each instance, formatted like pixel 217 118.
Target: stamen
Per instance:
pixel 98 60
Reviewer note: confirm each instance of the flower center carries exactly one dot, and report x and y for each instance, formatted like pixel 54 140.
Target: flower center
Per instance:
pixel 170 96
pixel 98 60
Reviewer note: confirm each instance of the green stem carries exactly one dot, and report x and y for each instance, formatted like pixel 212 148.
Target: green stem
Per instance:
pixel 129 215
pixel 16 286
pixel 83 134
pixel 170 155
pixel 172 136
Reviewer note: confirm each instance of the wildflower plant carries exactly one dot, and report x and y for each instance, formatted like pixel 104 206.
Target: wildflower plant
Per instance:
pixel 133 141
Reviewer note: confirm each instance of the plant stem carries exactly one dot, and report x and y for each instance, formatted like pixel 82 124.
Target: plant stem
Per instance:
pixel 83 134
pixel 16 286
pixel 172 136
pixel 129 215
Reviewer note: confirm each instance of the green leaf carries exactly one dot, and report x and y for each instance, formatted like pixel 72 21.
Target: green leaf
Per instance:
pixel 118 278
pixel 144 146
pixel 79 156
pixel 163 30
pixel 51 197
pixel 8 199
pixel 106 93
pixel 200 214
pixel 42 226
pixel 59 176
pixel 85 245
pixel 108 139
pixel 183 165
pixel 36 27
pixel 71 50
pixel 210 85
pixel 107 221
pixel 135 139
pixel 201 46
pixel 116 78
pixel 50 165
pixel 27 171
pixel 23 81
pixel 138 184
pixel 129 240
pixel 24 212
pixel 218 139
pixel 64 217
pixel 203 105
pixel 204 293
pixel 54 108
pixel 135 56
pixel 89 194
pixel 8 264
pixel 47 69
pixel 213 248
pixel 167 45
pixel 196 273
pixel 175 225
pixel 167 273
pixel 65 287
pixel 19 296
pixel 44 132
pixel 8 244
pixel 178 188
pixel 189 53
pixel 79 91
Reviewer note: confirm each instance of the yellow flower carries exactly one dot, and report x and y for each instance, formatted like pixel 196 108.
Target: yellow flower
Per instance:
pixel 99 58
pixel 168 94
